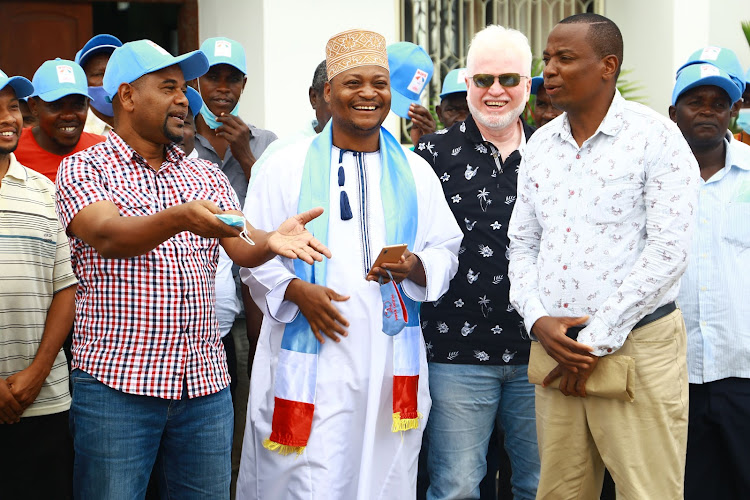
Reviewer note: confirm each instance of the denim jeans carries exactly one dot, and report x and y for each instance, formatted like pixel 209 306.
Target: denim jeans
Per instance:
pixel 119 437
pixel 467 401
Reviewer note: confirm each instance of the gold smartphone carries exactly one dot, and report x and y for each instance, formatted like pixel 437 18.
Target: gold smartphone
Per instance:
pixel 390 254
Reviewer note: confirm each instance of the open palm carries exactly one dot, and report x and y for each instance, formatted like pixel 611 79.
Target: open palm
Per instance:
pixel 292 240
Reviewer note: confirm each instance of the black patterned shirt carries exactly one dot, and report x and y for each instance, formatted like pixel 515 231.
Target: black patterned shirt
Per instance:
pixel 474 323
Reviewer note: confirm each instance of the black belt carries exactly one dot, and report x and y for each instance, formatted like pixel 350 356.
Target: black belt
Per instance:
pixel 649 318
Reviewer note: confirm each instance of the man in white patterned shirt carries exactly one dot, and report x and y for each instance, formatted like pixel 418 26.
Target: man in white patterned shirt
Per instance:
pixel 713 294
pixel 599 237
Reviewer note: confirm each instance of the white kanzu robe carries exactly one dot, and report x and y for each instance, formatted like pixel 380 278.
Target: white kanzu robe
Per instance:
pixel 352 453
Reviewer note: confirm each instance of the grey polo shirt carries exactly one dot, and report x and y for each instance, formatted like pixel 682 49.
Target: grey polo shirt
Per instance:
pixel 259 141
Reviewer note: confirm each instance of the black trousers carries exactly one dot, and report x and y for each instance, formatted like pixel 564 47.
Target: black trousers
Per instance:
pixel 718 448
pixel 36 458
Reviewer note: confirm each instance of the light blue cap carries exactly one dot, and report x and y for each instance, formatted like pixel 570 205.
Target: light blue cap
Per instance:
pixel 220 50
pixel 135 59
pixel 20 85
pixel 100 44
pixel 722 57
pixel 537 82
pixel 454 82
pixel 697 75
pixel 58 78
pixel 411 70
pixel 101 103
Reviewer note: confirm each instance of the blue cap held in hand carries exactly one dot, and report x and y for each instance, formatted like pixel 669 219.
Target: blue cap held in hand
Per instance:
pixel 697 75
pixel 411 70
pixel 58 78
pixel 220 50
pixel 454 81
pixel 20 85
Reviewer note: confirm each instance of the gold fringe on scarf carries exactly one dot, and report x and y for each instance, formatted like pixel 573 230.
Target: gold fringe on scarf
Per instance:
pixel 401 425
pixel 283 449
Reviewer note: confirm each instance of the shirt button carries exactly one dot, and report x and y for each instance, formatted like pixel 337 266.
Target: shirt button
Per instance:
pixel 565 268
pixel 703 323
pixel 572 192
pixel 609 350
pixel 703 289
pixel 568 229
pixel 536 185
pixel 578 157
pixel 565 305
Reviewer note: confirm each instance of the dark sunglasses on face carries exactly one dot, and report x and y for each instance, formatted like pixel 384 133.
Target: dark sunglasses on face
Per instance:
pixel 483 80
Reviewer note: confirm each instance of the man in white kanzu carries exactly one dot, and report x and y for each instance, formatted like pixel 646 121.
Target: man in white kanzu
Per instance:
pixel 339 392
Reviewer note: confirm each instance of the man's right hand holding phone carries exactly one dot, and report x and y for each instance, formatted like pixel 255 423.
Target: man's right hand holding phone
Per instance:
pixel 409 266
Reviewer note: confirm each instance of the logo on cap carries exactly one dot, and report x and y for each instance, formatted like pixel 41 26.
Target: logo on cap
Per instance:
pixel 709 70
pixel 710 53
pixel 158 48
pixel 222 48
pixel 418 82
pixel 461 76
pixel 65 74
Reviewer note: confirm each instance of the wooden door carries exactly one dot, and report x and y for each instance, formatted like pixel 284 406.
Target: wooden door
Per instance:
pixel 34 32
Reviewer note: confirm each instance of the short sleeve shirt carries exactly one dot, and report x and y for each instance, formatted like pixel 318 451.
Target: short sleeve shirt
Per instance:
pixel 146 324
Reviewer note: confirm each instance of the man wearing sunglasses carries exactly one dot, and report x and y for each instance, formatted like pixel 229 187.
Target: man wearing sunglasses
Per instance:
pixel 474 337
pixel 600 236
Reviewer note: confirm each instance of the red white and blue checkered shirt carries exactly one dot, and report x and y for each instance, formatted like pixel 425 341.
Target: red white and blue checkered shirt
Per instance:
pixel 144 325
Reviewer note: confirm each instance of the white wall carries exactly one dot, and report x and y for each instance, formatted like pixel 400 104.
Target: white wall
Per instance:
pixel 285 41
pixel 660 35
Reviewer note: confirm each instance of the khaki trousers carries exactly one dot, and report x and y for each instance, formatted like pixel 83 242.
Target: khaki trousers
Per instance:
pixel 643 443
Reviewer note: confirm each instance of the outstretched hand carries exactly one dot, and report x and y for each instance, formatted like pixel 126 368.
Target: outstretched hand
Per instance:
pixel 292 240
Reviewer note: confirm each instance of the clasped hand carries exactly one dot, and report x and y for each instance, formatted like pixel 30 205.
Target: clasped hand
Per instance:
pixel 575 361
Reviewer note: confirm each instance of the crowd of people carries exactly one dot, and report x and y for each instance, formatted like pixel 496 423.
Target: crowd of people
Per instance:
pixel 569 301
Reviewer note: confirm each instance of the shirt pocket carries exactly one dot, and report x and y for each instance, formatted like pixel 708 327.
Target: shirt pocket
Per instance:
pixel 736 224
pixel 132 201
pixel 614 199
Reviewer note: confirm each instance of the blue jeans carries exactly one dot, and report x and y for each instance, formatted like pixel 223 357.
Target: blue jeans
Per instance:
pixel 118 438
pixel 467 401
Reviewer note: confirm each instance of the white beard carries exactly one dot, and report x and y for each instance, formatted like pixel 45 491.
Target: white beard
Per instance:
pixel 496 122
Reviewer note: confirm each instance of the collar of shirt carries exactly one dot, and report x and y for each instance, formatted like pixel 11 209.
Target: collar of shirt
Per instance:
pixel 16 170
pixel 173 154
pixel 610 125
pixel 521 146
pixel 734 152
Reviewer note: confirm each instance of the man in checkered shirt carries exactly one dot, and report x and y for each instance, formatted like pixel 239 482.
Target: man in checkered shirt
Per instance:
pixel 150 381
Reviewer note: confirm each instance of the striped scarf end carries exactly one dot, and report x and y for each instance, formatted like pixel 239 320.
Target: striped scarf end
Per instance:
pixel 282 449
pixel 405 424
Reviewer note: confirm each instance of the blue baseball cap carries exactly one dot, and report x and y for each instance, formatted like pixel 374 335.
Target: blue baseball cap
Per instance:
pixel 697 75
pixel 721 57
pixel 101 103
pixel 220 50
pixel 411 70
pixel 537 82
pixel 20 85
pixel 135 59
pixel 454 81
pixel 57 78
pixel 100 44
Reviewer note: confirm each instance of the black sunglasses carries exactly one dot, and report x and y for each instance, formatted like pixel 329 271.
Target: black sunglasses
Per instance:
pixel 483 80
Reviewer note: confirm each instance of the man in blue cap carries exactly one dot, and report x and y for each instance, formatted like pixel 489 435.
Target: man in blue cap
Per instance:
pixel 59 102
pixel 93 59
pixel 37 296
pixel 145 224
pixel 453 106
pixel 543 111
pixel 743 117
pixel 713 297
pixel 223 137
